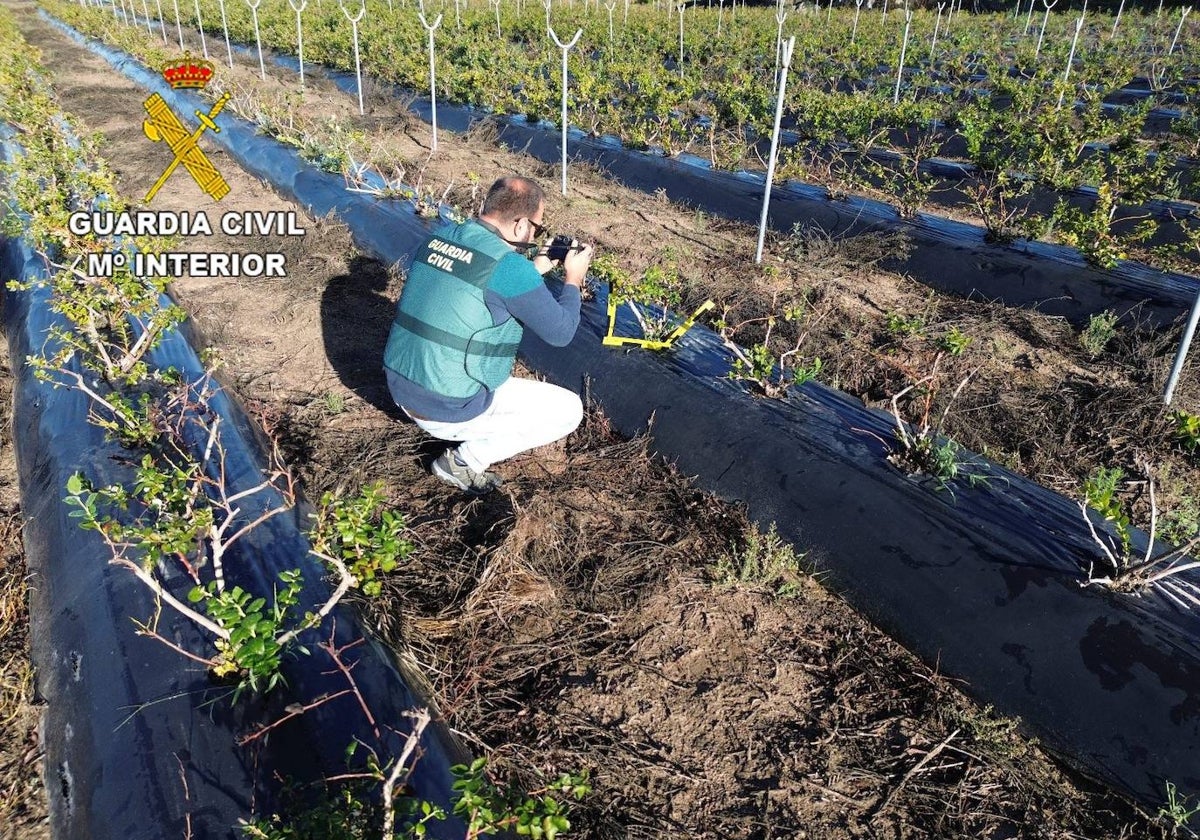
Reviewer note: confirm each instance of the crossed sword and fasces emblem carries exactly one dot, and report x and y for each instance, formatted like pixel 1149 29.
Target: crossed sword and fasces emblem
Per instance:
pixel 162 124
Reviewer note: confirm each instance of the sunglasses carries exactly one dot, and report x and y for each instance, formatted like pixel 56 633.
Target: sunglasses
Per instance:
pixel 538 230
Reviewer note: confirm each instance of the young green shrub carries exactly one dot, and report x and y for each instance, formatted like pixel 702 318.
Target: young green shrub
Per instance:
pixel 766 561
pixel 489 809
pixel 360 532
pixel 1101 329
pixel 1187 430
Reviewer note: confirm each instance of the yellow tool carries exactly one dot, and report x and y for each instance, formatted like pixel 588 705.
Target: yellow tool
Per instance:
pixel 650 344
pixel 164 125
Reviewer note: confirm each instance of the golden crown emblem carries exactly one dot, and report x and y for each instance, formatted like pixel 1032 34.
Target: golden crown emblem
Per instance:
pixel 188 72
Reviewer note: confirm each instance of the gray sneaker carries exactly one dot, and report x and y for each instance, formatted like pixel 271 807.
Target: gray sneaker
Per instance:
pixel 448 469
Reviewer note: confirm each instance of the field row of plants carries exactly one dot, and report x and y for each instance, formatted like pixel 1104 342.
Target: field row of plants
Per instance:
pixel 179 516
pixel 992 91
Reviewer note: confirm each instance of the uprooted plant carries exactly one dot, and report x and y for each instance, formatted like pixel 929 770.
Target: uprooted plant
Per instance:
pixel 1157 570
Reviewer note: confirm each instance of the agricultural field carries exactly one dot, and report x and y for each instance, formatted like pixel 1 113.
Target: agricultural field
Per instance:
pixel 1026 124
pixel 603 614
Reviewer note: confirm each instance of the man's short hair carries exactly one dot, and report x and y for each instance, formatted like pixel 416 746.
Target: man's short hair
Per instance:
pixel 512 198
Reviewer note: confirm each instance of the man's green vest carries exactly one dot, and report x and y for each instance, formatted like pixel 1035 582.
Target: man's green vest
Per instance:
pixel 443 337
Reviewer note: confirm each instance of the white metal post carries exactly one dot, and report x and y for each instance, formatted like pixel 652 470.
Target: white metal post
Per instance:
pixel 299 36
pixel 162 27
pixel 1120 9
pixel 1182 17
pixel 1042 32
pixel 780 17
pixel 200 26
pixel 178 27
pixel 496 7
pixel 936 25
pixel 565 49
pixel 857 12
pixel 903 49
pixel 1070 58
pixel 612 7
pixel 225 29
pixel 1181 354
pixel 681 7
pixel 362 10
pixel 1028 18
pixel 788 47
pixel 432 77
pixel 262 71
pixel 146 12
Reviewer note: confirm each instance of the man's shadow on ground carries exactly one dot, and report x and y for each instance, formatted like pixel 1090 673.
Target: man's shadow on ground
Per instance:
pixel 356 314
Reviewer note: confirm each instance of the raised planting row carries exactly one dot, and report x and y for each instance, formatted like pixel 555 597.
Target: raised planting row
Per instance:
pixel 1018 135
pixel 978 579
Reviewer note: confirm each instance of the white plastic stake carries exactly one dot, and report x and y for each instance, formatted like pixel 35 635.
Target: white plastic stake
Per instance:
pixel 299 36
pixel 565 49
pixel 829 12
pixel 936 25
pixel 612 7
pixel 1182 17
pixel 1042 33
pixel 788 47
pixel 262 71
pixel 1070 58
pixel 225 29
pixel 1181 354
pixel 432 77
pixel 625 20
pixel 200 26
pixel 496 6
pixel 884 18
pixel 161 26
pixel 720 15
pixel 903 49
pixel 857 12
pixel 546 6
pixel 362 10
pixel 178 28
pixel 1028 18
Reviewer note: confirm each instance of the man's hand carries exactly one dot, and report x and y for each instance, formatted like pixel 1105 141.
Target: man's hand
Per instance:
pixel 542 262
pixel 575 265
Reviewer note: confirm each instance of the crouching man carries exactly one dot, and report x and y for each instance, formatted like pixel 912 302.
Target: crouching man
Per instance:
pixel 470 292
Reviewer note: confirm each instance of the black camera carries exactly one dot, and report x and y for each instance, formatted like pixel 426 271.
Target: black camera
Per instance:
pixel 560 247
